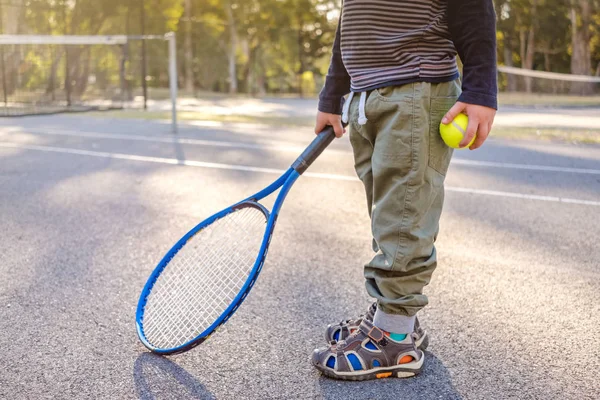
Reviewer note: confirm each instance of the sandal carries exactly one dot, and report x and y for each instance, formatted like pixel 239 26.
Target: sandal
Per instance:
pixel 369 353
pixel 340 331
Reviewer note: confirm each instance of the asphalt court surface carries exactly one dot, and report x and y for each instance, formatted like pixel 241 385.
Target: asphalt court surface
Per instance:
pixel 89 205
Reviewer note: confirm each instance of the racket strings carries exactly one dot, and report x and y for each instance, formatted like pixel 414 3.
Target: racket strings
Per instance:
pixel 203 278
pixel 210 283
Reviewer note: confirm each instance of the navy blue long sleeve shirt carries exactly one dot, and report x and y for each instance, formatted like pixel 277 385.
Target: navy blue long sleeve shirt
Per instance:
pixel 382 43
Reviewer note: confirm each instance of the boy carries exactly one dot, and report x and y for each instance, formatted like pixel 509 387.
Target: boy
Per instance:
pixel 397 58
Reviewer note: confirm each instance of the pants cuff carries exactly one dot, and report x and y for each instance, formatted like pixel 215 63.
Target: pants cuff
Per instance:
pixel 394 323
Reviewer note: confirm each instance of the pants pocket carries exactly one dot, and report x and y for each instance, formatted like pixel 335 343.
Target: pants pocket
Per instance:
pixel 439 153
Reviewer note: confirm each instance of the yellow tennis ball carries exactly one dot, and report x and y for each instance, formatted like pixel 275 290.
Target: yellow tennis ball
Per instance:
pixel 454 132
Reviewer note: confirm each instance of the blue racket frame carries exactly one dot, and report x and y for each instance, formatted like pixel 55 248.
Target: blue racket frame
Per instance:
pixel 284 183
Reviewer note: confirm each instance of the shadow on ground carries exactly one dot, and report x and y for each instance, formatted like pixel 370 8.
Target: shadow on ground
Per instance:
pixel 157 377
pixel 433 382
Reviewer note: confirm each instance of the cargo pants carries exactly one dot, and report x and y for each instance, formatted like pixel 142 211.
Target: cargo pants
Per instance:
pixel 402 161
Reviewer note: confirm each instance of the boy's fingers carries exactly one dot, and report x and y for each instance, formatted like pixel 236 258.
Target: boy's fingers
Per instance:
pixel 471 131
pixel 453 112
pixel 482 133
pixel 338 128
pixel 319 126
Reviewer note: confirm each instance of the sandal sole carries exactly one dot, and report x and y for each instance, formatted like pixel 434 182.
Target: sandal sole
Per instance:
pixel 378 373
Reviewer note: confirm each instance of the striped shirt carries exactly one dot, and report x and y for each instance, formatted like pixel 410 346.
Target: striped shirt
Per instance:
pixel 390 40
pixel 383 43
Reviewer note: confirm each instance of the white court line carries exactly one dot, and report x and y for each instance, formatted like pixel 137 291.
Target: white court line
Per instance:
pixel 201 164
pixel 259 145
pixel 523 196
pixel 525 166
pixel 133 157
pixel 287 147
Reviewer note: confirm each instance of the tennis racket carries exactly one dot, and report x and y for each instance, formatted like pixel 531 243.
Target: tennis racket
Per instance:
pixel 205 277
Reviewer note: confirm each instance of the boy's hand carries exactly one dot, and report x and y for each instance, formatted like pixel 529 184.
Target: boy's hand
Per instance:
pixel 481 119
pixel 324 119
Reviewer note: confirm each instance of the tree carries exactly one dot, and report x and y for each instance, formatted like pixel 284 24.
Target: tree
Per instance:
pixel 189 56
pixel 581 62
pixel 233 42
pixel 506 40
pixel 527 41
pixel 261 46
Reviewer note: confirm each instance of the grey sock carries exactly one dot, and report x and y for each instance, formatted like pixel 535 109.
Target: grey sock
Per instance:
pixel 394 323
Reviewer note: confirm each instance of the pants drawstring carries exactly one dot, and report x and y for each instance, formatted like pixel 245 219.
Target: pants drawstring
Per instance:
pixel 346 108
pixel 362 116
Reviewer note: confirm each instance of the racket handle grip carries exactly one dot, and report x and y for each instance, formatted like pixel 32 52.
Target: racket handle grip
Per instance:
pixel 314 150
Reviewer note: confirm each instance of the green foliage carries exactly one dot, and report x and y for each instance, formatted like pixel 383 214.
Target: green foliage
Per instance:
pixel 550 20
pixel 277 41
pixel 281 46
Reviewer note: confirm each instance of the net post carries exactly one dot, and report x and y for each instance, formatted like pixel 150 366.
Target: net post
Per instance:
pixel 122 72
pixel 53 69
pixel 4 89
pixel 170 37
pixel 67 76
pixel 67 69
pixel 143 28
pixel 5 95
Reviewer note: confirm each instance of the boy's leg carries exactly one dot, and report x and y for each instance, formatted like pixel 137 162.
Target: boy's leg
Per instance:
pixel 362 138
pixel 407 170
pixel 402 160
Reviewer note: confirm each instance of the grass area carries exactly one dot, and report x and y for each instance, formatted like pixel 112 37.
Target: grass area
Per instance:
pixel 164 94
pixel 200 116
pixel 550 134
pixel 504 98
pixel 547 100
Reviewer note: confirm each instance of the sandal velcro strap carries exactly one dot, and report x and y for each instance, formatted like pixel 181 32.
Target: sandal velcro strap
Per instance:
pixel 375 334
pixel 334 331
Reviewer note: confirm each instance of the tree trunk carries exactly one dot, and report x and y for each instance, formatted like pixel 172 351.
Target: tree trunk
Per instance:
pixel 530 47
pixel 189 57
pixel 529 58
pixel 250 71
pixel 246 70
pixel 231 54
pixel 51 87
pixel 12 14
pixel 581 62
pixel 123 73
pixel 80 61
pixel 508 53
pixel 300 60
pixel 522 45
pixel 258 74
pixel 522 49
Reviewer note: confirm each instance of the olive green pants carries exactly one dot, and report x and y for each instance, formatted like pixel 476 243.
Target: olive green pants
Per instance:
pixel 402 161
